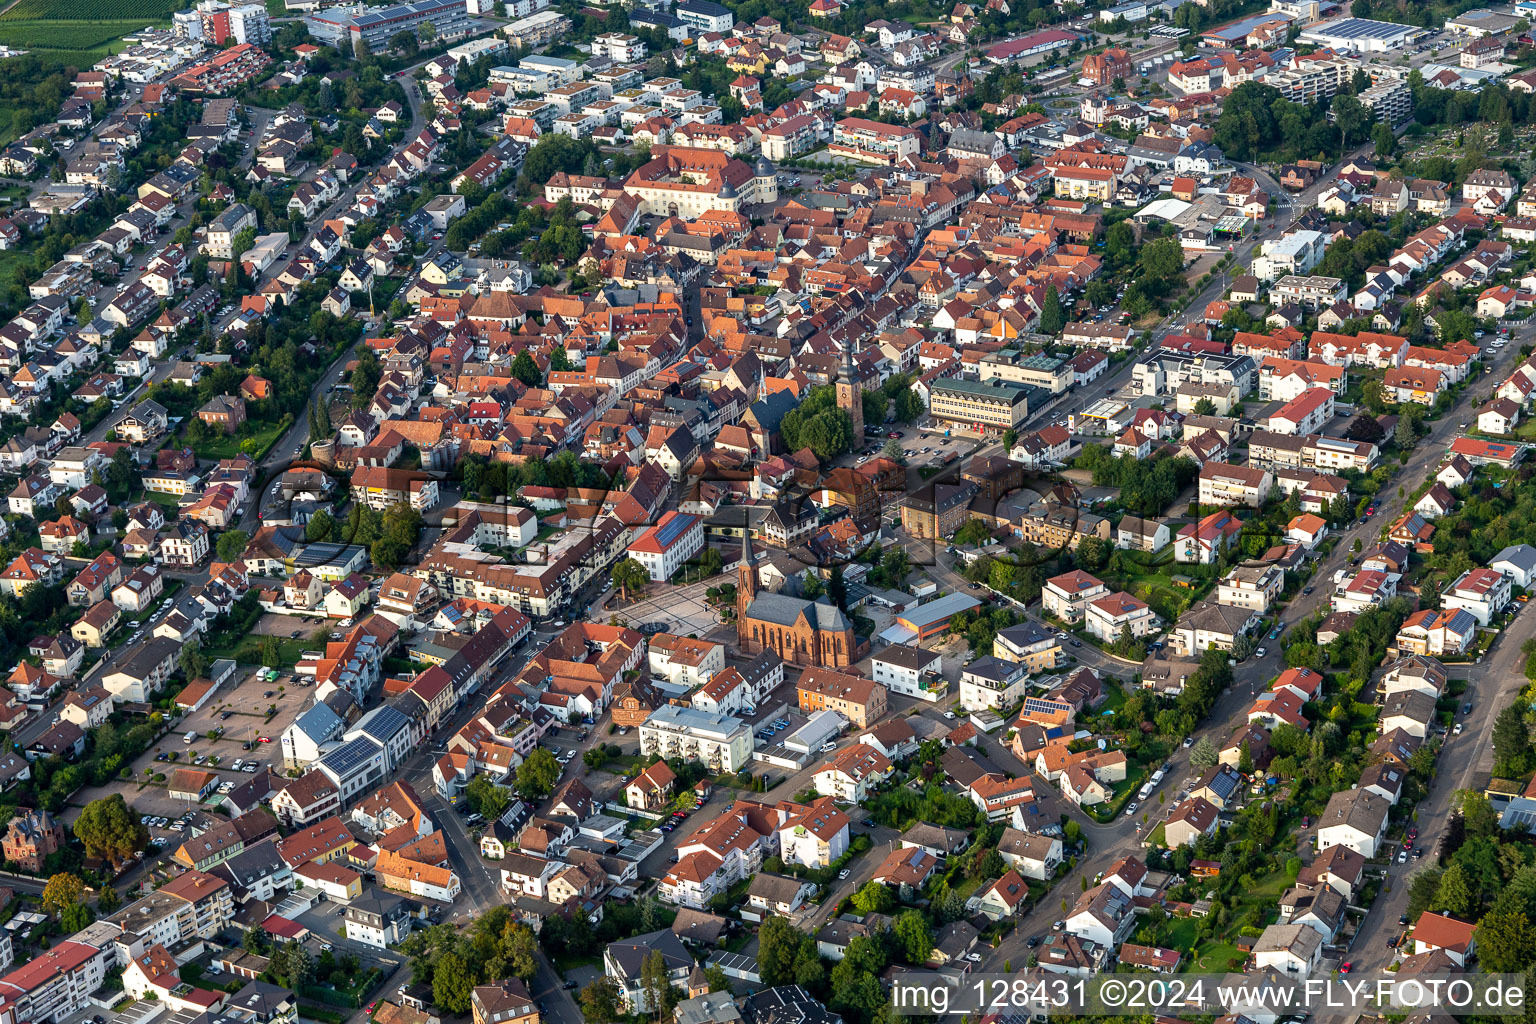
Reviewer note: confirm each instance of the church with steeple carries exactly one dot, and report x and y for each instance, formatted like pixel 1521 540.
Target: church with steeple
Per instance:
pixel 799 631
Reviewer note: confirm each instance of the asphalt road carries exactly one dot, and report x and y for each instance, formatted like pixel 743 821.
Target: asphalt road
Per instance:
pixel 1464 762
pixel 1463 758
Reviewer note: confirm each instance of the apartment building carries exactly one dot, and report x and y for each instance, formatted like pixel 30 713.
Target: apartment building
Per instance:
pixel 990 406
pixel 1226 485
pixel 1312 291
pixel 722 742
pixel 872 142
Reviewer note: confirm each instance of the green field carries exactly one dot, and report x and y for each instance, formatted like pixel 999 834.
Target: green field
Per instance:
pixel 76 32
pixel 76 44
pixel 91 11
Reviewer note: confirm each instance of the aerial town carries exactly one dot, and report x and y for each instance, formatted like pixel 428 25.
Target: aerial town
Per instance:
pixel 692 513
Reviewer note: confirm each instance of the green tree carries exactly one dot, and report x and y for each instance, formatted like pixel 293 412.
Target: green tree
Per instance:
pixel 874 898
pixel 231 545
pixel 452 984
pixel 521 948
pixel 1163 259
pixel 320 528
pixel 1511 741
pixel 656 985
pixel 191 660
pixel 600 1001
pixel 717 979
pixel 108 900
pixel 778 944
pixel 110 829
pixel 895 452
pixel 526 370
pixel 1478 816
pixel 75 918
pixel 537 775
pixel 630 577
pixel 1204 754
pixel 241 244
pixel 1052 318
pixel 1455 895
pixel 811 586
pixel 486 798
pixel 818 424
pixel 1352 117
pixel 1506 942
pixel 1385 140
pixel 1093 553
pixel 914 939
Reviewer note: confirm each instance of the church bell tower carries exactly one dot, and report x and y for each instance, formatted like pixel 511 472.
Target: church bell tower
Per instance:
pixel 849 398
pixel 746 584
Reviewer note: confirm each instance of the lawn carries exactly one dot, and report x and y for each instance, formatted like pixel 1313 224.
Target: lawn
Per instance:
pixel 1214 958
pixel 248 651
pixel 161 498
pixel 227 446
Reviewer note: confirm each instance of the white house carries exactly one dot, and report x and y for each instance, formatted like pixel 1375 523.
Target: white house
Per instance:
pixel 1354 818
pixel 1483 593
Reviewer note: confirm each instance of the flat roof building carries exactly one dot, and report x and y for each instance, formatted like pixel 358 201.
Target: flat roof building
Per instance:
pixel 989 406
pixel 723 742
pixel 1360 35
pixel 346 27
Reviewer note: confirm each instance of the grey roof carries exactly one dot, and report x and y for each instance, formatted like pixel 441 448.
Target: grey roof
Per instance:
pixel 1026 633
pixel 956 938
pixel 1415 705
pixel 770 411
pixel 907 657
pixel 1215 617
pixel 1357 808
pixel 993 670
pixel 346 758
pixel 261 999
pixel 1298 939
pixel 319 723
pixel 1521 556
pixel 630 954
pixel 785 1004
pixel 376 905
pixel 972 141
pixel 144 659
pixel 384 723
pixel 252 864
pixel 774 888
pixel 784 610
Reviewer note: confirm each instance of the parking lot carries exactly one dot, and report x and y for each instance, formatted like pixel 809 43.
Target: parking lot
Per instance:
pixel 239 708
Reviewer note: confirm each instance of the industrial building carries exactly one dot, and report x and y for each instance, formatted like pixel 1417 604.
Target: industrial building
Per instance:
pixel 1360 35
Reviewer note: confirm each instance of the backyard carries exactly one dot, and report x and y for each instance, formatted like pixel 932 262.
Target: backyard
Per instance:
pixel 227 446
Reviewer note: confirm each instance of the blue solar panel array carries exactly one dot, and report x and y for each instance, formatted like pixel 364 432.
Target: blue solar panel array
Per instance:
pixel 669 532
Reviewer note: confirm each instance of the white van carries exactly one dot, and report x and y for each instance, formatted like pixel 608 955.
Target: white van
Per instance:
pixel 189 737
